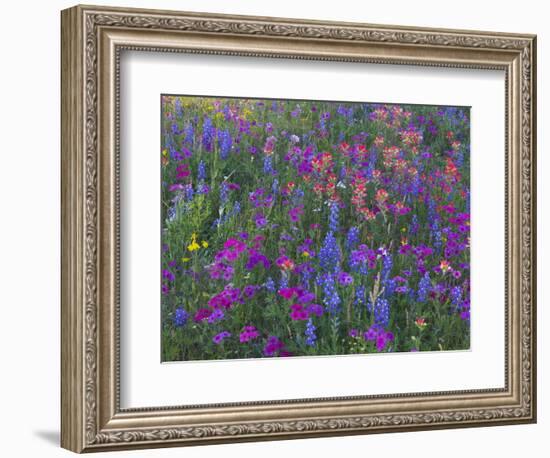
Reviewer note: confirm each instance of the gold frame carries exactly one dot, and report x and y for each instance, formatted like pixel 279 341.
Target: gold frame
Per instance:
pixel 92 39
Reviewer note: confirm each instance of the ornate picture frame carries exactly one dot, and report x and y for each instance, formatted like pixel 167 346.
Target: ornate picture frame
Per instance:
pixel 93 39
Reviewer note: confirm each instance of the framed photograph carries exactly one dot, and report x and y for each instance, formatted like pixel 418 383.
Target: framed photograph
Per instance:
pixel 279 228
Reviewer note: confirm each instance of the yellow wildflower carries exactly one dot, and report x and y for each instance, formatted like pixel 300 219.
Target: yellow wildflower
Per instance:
pixel 204 244
pixel 193 246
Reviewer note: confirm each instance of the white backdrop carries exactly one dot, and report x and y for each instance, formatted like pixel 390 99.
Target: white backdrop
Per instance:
pixel 29 246
pixel 146 75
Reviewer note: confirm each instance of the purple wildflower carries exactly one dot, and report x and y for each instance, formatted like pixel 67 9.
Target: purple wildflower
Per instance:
pixel 345 279
pixel 248 333
pixel 168 275
pixel 272 346
pixel 255 258
pixel 295 213
pixel 298 312
pixel 216 316
pixel 219 338
pixel 260 219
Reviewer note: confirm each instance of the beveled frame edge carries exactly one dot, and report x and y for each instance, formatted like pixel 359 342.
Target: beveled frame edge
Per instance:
pixel 91 418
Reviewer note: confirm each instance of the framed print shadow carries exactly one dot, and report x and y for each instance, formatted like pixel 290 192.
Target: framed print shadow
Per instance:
pixel 275 219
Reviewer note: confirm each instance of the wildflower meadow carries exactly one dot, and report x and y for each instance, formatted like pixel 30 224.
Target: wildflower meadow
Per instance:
pixel 304 228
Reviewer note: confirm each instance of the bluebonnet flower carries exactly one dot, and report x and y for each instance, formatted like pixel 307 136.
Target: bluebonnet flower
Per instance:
pixel 331 298
pixel 203 188
pixel 372 163
pixel 359 295
pixel 171 214
pixel 459 159
pixel 179 108
pixel 305 270
pixel 189 133
pixel 269 285
pixel 416 185
pixel 343 173
pixel 456 296
pixel 333 217
pixel 433 214
pixel 283 283
pixel 311 337
pixel 201 174
pixel 189 192
pixel 297 196
pixel 226 142
pixel 424 286
pixel 389 287
pixel 387 264
pixel 436 235
pixel 352 238
pixel 227 112
pixel 413 229
pixel 236 208
pixel 268 166
pixel 329 254
pixel 207 134
pixel 224 192
pixel 230 214
pixel 275 186
pixel 180 317
pixel 175 129
pixel 382 312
